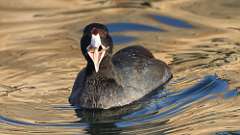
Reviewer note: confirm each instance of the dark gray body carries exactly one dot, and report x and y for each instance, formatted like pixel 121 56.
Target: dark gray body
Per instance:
pixel 125 77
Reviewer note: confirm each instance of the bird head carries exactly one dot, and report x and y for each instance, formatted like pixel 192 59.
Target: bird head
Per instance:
pixel 96 44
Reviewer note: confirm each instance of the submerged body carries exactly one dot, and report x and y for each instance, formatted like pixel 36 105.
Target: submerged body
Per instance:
pixel 115 80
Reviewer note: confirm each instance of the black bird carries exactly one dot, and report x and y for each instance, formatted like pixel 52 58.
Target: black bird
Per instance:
pixel 115 80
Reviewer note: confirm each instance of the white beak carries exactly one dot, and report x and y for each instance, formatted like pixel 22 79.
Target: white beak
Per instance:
pixel 94 51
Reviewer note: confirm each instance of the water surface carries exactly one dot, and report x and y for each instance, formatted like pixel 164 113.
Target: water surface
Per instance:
pixel 40 57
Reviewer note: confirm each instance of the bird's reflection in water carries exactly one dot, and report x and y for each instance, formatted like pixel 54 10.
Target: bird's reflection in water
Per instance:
pixel 103 121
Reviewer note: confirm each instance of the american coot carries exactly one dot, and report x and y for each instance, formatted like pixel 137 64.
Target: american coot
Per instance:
pixel 114 80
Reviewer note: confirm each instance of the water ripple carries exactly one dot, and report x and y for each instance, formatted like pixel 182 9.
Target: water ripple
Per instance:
pixel 158 109
pixel 172 21
pixel 124 26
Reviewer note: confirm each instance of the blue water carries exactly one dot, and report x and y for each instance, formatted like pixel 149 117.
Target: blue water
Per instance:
pixel 126 26
pixel 172 21
pixel 120 39
pixel 232 93
pixel 228 133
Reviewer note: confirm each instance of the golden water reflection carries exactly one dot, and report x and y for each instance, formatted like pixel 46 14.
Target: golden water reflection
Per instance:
pixel 40 57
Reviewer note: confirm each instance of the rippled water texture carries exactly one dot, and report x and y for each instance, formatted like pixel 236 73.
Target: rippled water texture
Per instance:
pixel 40 57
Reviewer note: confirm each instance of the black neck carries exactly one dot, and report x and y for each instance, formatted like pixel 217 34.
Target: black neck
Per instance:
pixel 106 68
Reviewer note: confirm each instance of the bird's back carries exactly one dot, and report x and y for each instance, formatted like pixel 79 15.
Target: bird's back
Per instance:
pixel 140 73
